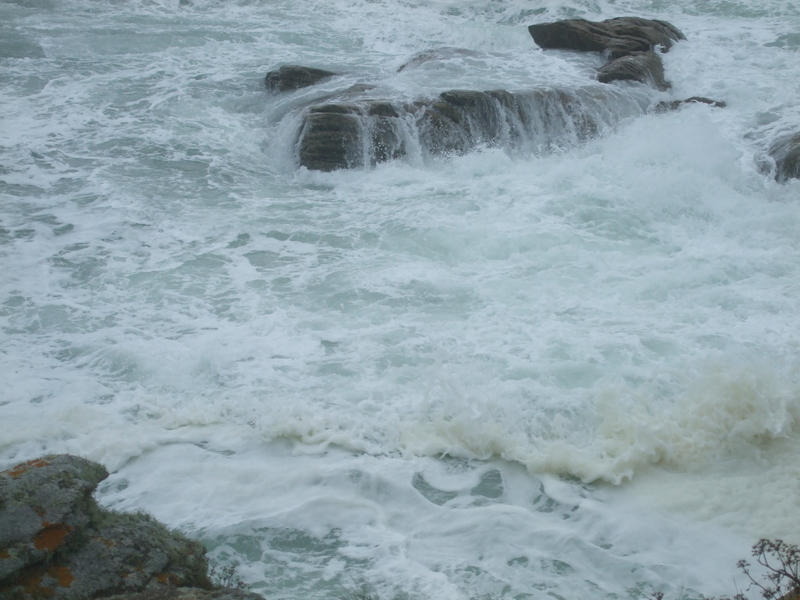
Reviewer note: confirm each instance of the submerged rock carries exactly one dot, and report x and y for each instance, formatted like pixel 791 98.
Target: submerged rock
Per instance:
pixel 676 104
pixel 644 67
pixel 293 77
pixel 786 153
pixel 618 37
pixel 56 542
pixel 438 54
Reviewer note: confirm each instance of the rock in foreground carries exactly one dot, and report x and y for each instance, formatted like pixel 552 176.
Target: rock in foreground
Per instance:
pixel 189 594
pixel 57 543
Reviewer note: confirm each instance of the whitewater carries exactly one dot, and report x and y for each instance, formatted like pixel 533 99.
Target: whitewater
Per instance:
pixel 565 370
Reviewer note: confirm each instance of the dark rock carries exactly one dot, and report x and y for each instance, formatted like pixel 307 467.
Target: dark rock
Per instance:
pixel 786 153
pixel 339 136
pixel 293 77
pixel 56 542
pixel 189 594
pixel 330 138
pixel 676 104
pixel 343 136
pixel 618 37
pixel 644 67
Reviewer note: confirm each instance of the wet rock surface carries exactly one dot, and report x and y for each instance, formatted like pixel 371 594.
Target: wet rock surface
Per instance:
pixel 630 43
pixel 618 37
pixel 644 67
pixel 56 542
pixel 338 136
pixel 786 153
pixel 294 77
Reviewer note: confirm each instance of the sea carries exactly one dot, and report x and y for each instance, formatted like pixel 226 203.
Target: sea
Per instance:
pixel 564 370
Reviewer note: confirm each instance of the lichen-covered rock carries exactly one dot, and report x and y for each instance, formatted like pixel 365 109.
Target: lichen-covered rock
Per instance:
pixel 786 153
pixel 618 37
pixel 644 67
pixel 189 594
pixel 293 77
pixel 44 503
pixel 57 543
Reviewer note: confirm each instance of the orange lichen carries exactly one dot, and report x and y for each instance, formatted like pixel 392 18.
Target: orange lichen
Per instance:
pixel 51 536
pixel 23 468
pixel 168 579
pixel 62 575
pixel 32 584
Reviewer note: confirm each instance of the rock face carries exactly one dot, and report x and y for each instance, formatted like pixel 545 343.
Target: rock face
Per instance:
pixel 56 542
pixel 618 37
pixel 786 153
pixel 293 77
pixel 644 67
pixel 356 134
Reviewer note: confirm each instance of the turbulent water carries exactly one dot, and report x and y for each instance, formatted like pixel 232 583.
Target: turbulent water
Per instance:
pixel 565 370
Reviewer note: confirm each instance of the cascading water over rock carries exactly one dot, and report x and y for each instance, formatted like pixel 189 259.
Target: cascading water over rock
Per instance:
pixel 337 136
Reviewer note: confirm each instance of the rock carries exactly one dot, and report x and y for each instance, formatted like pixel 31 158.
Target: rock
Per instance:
pixel 56 542
pixel 342 136
pixel 293 77
pixel 786 153
pixel 44 503
pixel 644 67
pixel 189 594
pixel 618 37
pixel 338 136
pixel 439 54
pixel 676 104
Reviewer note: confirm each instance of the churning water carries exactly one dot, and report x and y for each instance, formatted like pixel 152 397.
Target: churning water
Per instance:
pixel 527 371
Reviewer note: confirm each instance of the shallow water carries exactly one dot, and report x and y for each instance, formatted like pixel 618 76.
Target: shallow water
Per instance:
pixel 516 373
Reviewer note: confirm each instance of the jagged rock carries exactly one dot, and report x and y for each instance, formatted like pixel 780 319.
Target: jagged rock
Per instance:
pixel 189 594
pixel 293 77
pixel 786 153
pixel 676 104
pixel 57 543
pixel 644 67
pixel 619 36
